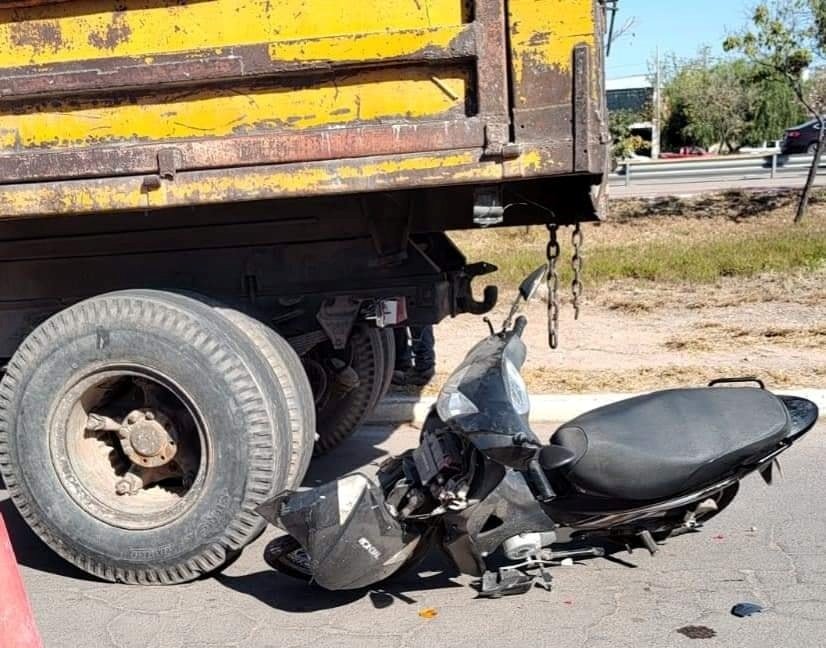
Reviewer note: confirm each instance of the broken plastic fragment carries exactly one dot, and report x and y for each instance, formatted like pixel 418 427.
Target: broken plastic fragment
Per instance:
pixel 429 613
pixel 746 609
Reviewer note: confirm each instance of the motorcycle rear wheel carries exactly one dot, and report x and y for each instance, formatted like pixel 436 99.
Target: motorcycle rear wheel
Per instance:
pixel 286 556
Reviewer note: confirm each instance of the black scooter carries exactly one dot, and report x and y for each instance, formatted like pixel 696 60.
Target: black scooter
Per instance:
pixel 484 488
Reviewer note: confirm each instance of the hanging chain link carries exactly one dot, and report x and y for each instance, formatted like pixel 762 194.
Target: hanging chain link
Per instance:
pixel 577 240
pixel 552 281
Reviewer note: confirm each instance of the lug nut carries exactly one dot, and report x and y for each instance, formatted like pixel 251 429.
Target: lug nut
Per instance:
pixel 132 418
pixel 149 416
pixel 122 487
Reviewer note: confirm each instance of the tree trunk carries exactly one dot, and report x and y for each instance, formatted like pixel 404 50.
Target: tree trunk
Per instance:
pixel 803 205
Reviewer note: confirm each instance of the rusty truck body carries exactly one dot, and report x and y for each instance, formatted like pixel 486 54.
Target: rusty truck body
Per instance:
pixel 209 210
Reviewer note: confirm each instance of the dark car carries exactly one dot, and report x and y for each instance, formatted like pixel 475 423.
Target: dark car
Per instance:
pixel 801 139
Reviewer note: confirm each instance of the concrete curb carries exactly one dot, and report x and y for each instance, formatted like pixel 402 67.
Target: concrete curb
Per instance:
pixel 545 408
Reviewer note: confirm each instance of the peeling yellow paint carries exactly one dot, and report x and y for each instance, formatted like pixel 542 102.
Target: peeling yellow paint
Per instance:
pixel 545 32
pixel 364 47
pixel 362 97
pixel 249 183
pixel 93 29
pixel 543 36
pixel 531 161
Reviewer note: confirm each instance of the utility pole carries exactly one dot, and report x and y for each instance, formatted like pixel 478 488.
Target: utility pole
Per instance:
pixel 657 126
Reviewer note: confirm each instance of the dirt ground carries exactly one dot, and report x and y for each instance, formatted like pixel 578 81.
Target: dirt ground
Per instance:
pixel 636 335
pixel 631 338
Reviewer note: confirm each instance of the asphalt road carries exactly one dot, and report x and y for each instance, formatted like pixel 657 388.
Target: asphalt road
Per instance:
pixel 769 547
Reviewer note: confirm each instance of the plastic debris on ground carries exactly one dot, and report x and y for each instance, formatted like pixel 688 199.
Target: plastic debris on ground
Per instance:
pixel 746 609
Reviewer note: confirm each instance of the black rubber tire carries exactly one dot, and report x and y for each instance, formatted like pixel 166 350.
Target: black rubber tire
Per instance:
pixel 222 373
pixel 292 381
pixel 388 344
pixel 811 149
pixel 277 556
pixel 339 418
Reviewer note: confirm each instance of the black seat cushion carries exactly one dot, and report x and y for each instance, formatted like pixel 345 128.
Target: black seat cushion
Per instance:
pixel 666 443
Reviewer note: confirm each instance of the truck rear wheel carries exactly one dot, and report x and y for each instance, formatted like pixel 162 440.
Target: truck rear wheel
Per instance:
pixel 138 432
pixel 292 380
pixel 347 384
pixel 388 345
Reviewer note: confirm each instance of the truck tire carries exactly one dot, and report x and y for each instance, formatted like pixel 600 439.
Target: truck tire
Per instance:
pixel 341 412
pixel 388 345
pixel 292 380
pixel 150 379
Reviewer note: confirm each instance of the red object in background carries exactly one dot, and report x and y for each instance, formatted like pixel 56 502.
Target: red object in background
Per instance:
pixel 685 152
pixel 17 626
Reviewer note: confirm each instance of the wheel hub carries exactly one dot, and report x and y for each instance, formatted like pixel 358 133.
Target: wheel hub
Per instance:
pixel 148 438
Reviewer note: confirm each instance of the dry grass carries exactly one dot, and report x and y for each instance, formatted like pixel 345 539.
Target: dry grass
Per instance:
pixel 711 336
pixel 800 286
pixel 577 381
pixel 699 241
pixel 659 377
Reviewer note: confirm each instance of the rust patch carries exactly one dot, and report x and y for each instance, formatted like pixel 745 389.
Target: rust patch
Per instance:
pixel 8 4
pixel 246 150
pixel 42 36
pixel 539 38
pixel 117 32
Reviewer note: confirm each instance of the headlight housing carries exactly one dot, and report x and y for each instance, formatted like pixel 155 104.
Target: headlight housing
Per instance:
pixel 451 402
pixel 516 388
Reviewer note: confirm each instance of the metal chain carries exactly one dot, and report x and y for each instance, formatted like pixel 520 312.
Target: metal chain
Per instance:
pixel 552 281
pixel 577 240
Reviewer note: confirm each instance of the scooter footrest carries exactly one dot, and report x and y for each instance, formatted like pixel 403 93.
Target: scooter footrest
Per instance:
pixel 505 582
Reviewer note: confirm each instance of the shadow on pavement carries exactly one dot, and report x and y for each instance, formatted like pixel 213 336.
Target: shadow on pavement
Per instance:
pixel 30 550
pixel 291 595
pixel 356 454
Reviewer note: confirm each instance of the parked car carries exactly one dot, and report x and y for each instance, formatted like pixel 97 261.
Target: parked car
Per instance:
pixel 766 148
pixel 801 139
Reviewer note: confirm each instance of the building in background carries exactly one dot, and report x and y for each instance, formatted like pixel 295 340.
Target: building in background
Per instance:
pixel 631 93
pixel 635 95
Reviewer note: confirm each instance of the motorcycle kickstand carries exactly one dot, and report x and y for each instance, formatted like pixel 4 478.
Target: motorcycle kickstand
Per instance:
pixel 648 541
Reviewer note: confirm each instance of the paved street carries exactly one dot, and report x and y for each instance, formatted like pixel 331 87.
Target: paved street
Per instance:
pixel 694 186
pixel 769 548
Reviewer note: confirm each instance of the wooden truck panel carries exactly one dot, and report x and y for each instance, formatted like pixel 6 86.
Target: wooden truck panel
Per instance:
pixel 133 104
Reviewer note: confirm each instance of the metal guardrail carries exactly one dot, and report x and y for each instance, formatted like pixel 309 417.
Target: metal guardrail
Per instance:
pixel 713 168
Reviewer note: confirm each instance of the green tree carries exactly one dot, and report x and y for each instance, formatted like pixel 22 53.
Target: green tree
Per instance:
pixel 625 142
pixel 707 102
pixel 775 107
pixel 785 38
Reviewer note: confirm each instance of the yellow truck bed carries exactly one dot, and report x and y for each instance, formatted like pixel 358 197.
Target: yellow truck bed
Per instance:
pixel 133 104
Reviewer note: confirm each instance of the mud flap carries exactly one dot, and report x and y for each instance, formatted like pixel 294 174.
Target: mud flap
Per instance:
pixel 347 531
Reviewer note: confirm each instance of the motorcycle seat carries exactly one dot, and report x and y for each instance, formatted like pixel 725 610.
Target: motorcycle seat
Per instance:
pixel 670 442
